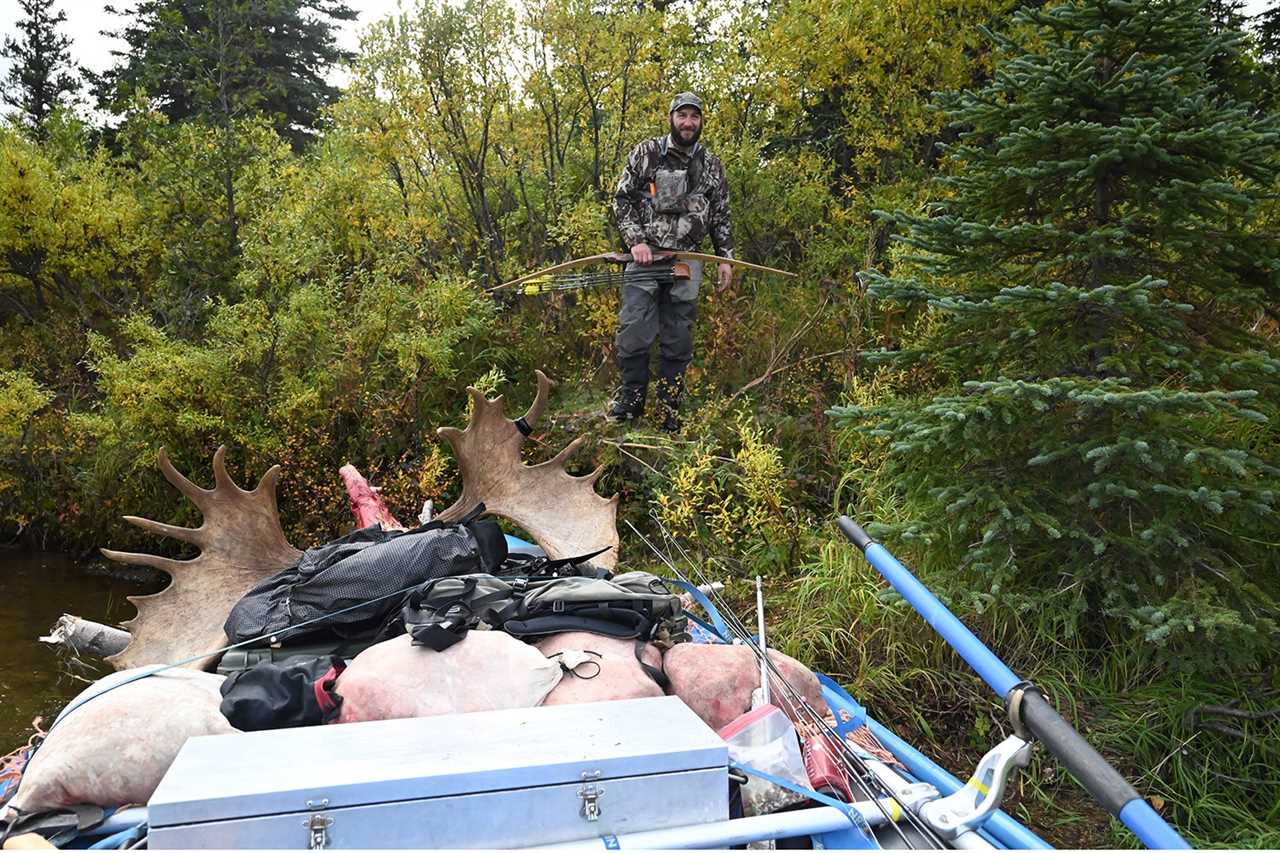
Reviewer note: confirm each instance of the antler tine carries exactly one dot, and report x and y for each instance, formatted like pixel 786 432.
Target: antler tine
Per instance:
pixel 194 493
pixel 269 481
pixel 539 404
pixel 184 534
pixel 569 449
pixel 479 399
pixel 240 541
pixel 164 564
pixel 222 481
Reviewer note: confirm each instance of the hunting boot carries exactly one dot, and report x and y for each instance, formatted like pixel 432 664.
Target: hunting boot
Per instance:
pixel 628 403
pixel 670 392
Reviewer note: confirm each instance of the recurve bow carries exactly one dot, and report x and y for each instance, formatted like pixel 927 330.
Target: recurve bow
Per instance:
pixel 625 258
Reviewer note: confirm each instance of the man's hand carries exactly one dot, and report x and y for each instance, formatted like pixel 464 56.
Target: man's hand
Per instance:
pixel 724 277
pixel 642 254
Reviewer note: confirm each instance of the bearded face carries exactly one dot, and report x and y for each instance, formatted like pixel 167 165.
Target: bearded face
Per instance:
pixel 686 125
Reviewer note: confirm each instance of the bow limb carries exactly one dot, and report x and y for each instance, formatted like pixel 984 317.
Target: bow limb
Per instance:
pixel 716 259
pixel 614 257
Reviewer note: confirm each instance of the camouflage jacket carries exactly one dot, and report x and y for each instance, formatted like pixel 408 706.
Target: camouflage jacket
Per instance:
pixel 671 200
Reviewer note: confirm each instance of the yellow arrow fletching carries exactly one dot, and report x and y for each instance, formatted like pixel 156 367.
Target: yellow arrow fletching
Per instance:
pixel 537 286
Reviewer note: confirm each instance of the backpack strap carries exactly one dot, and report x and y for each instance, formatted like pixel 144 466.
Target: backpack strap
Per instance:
pixel 619 623
pixel 658 674
pixel 526 567
pixel 446 621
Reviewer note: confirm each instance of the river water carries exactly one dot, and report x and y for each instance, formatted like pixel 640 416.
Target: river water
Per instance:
pixel 35 589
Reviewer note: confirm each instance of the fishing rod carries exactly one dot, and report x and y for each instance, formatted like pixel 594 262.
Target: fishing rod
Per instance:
pixel 738 631
pixel 1029 710
pixel 855 772
pixel 1011 833
pixel 853 768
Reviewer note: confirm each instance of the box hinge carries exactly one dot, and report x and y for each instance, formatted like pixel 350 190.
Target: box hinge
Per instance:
pixel 590 794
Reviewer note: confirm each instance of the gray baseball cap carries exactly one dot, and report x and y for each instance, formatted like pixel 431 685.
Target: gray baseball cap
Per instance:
pixel 685 99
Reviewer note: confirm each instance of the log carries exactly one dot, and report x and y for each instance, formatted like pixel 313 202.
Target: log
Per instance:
pixel 85 637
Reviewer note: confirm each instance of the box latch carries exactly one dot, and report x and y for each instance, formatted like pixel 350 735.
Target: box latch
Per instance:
pixel 590 794
pixel 318 826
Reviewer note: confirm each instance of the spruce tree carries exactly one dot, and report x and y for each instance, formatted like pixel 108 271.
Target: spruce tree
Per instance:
pixel 40 77
pixel 1265 27
pixel 1092 434
pixel 220 60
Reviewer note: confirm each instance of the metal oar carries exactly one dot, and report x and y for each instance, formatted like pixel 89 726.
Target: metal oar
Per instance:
pixel 1028 709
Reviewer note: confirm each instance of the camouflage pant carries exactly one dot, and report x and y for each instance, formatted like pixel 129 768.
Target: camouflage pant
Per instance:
pixel 656 312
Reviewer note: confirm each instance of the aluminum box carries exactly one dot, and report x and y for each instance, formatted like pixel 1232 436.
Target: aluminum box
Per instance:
pixel 493 779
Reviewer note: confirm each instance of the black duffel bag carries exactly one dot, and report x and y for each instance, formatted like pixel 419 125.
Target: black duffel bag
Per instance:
pixel 294 692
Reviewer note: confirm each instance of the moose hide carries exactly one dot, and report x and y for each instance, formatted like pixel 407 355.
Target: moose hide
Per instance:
pixel 113 749
pixel 608 670
pixel 716 681
pixel 485 671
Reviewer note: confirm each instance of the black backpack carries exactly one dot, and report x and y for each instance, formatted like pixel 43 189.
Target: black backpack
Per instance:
pixel 353 580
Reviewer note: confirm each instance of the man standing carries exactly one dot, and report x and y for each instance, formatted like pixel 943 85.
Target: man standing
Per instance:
pixel 671 195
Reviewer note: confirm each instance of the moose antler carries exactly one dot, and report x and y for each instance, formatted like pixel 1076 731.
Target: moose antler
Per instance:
pixel 240 542
pixel 561 512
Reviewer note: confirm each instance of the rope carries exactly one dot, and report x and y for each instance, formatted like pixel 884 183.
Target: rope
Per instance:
pixel 14 764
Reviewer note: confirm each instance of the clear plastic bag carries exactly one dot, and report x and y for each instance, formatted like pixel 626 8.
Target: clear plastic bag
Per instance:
pixel 765 739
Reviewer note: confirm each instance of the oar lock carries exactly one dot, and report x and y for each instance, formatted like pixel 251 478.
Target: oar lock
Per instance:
pixel 978 799
pixel 969 806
